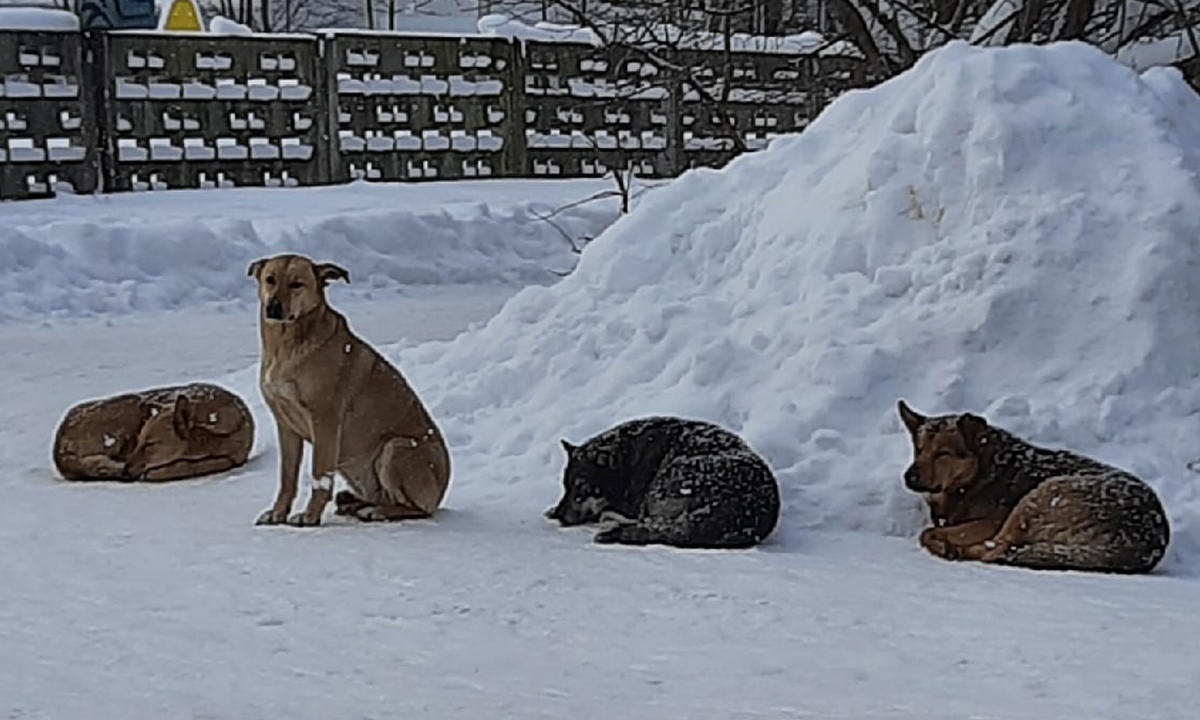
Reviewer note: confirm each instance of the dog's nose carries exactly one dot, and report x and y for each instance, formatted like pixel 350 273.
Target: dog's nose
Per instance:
pixel 553 513
pixel 912 479
pixel 274 310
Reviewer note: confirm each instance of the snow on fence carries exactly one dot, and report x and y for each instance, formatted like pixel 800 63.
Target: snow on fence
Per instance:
pixel 126 111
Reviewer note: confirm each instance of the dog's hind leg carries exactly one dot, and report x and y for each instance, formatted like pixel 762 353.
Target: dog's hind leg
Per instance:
pixel 411 480
pixel 189 469
pixel 1083 523
pixel 347 503
pixel 628 534
pixel 96 467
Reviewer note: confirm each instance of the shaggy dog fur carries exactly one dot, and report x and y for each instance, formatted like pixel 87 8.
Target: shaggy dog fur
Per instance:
pixel 669 481
pixel 996 498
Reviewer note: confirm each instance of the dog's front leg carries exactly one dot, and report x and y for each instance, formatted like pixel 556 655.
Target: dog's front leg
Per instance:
pixel 954 542
pixel 291 450
pixel 326 446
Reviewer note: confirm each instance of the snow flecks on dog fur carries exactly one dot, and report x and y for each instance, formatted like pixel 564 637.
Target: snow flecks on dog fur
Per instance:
pixel 1006 231
pixel 674 481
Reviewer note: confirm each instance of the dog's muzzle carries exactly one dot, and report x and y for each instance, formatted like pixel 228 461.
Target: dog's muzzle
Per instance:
pixel 274 310
pixel 912 480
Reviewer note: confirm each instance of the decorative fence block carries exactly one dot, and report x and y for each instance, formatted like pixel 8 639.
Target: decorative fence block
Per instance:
pixel 47 135
pixel 590 109
pixel 194 112
pixel 423 108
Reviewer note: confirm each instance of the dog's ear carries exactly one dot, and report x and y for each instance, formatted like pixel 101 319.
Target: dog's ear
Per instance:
pixel 328 272
pixel 911 418
pixel 146 411
pixel 256 268
pixel 183 418
pixel 568 447
pixel 973 430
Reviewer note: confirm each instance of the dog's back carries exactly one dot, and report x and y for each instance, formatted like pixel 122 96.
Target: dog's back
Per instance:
pixel 1075 512
pixel 194 430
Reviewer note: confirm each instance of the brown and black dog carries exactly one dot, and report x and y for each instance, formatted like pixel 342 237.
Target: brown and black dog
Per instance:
pixel 327 386
pixel 995 498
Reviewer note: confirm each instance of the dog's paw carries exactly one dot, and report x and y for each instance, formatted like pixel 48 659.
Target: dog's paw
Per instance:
pixel 303 520
pixel 612 517
pixel 937 544
pixel 997 552
pixel 608 537
pixel 271 516
pixel 369 513
pixel 347 503
pixel 626 534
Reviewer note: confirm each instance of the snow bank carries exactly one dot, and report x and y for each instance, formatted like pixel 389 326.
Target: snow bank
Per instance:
pixel 502 25
pixel 1009 231
pixel 802 43
pixel 38 18
pixel 221 25
pixel 133 252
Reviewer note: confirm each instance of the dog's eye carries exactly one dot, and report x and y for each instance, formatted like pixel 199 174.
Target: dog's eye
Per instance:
pixel 295 284
pixel 270 279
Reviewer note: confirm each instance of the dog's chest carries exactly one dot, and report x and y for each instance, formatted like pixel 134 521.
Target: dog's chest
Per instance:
pixel 285 399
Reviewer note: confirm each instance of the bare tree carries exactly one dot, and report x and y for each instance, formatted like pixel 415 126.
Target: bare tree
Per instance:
pixel 892 34
pixel 291 15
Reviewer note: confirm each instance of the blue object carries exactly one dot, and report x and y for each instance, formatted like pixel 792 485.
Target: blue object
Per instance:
pixel 117 15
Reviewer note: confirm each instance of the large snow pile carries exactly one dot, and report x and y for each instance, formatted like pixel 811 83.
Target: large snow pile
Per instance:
pixel 1009 231
pixel 149 251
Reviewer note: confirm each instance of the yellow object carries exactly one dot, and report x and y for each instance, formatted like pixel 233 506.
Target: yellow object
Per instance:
pixel 183 16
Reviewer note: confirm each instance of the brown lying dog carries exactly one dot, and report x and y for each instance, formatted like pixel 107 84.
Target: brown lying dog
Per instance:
pixel 327 386
pixel 161 434
pixel 995 498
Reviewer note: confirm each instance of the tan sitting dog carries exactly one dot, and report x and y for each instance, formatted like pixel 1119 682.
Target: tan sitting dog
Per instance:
pixel 996 498
pixel 325 385
pixel 161 434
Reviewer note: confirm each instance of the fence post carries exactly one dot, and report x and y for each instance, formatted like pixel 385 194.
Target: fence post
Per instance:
pixel 98 118
pixel 676 154
pixel 516 152
pixel 326 112
pixel 328 64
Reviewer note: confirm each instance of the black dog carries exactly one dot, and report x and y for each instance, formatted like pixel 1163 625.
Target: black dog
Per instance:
pixel 669 481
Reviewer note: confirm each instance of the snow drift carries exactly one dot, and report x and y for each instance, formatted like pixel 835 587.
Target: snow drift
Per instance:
pixel 1009 231
pixel 132 252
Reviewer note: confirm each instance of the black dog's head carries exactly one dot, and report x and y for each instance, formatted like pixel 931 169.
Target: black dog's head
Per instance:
pixel 587 488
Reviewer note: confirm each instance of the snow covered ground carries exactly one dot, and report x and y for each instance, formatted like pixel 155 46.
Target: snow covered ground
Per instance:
pixel 1007 231
pixel 142 602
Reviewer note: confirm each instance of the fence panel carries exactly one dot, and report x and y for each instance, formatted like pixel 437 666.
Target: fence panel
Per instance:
pixel 47 128
pixel 763 95
pixel 834 74
pixel 588 109
pixel 421 108
pixel 189 111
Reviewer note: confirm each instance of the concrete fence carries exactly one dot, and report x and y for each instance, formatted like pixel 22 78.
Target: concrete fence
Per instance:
pixel 127 111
